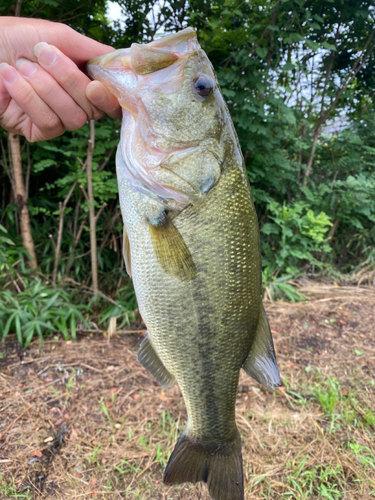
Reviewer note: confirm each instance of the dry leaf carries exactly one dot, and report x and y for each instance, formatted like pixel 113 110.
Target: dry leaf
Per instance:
pixel 112 326
pixel 73 435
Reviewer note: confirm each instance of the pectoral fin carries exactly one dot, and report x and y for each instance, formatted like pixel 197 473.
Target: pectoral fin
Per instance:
pixel 261 362
pixel 171 251
pixel 126 253
pixel 148 357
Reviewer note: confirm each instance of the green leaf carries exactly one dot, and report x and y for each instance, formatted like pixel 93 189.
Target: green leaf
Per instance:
pixel 329 46
pixel 261 52
pixel 312 45
pixel 43 164
pixel 288 66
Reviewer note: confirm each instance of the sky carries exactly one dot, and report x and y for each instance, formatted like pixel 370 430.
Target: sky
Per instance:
pixel 114 11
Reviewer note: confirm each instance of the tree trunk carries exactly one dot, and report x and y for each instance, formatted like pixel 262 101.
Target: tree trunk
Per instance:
pixel 27 238
pixel 312 154
pixel 333 228
pixel 90 192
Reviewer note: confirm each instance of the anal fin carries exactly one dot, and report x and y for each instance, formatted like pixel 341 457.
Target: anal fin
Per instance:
pixel 171 251
pixel 261 362
pixel 148 357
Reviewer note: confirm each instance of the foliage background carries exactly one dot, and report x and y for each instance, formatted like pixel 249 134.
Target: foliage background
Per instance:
pixel 299 80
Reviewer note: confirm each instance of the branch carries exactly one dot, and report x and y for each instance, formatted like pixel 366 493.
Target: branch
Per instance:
pixel 53 241
pixel 356 67
pixel 85 194
pixel 100 211
pixel 94 257
pixel 18 8
pixel 352 73
pixel 108 155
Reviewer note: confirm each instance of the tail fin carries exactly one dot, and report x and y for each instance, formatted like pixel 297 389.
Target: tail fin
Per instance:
pixel 220 466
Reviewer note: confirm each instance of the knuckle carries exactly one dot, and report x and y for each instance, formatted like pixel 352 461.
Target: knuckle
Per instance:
pixel 97 114
pixel 69 79
pixel 26 95
pixel 78 120
pixel 49 88
pixel 51 123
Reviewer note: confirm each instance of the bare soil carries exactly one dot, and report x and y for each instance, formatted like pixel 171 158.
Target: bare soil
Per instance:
pixel 84 420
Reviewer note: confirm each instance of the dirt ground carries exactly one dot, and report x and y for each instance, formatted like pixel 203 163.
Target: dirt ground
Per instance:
pixel 82 420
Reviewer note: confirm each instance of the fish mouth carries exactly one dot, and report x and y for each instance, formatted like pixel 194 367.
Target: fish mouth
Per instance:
pixel 126 73
pixel 143 59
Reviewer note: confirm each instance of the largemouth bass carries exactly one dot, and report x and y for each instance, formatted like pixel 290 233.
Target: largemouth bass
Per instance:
pixel 191 244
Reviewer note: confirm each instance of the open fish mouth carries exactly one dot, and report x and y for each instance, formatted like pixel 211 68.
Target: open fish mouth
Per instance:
pixel 161 87
pixel 145 59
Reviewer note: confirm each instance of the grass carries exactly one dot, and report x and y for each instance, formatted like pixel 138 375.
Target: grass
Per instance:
pixel 311 439
pixel 348 466
pixel 40 310
pixel 9 490
pixel 317 481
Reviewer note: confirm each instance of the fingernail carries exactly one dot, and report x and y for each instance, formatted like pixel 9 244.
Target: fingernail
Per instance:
pixel 45 54
pixel 96 96
pixel 25 67
pixel 9 74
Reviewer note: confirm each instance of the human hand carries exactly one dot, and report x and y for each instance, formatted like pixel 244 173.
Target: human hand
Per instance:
pixel 46 94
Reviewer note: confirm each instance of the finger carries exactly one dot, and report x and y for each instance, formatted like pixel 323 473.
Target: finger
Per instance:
pixel 15 120
pixel 97 93
pixel 71 115
pixel 28 100
pixel 8 120
pixel 4 98
pixel 67 74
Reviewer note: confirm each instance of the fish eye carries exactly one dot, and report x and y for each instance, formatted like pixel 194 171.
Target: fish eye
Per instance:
pixel 203 86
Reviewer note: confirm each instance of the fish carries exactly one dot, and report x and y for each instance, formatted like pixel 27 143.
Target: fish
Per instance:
pixel 191 246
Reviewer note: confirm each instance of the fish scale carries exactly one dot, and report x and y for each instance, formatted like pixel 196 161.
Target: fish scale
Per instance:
pixel 191 242
pixel 215 313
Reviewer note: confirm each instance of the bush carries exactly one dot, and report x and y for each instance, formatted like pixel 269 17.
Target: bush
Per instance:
pixel 295 236
pixel 38 310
